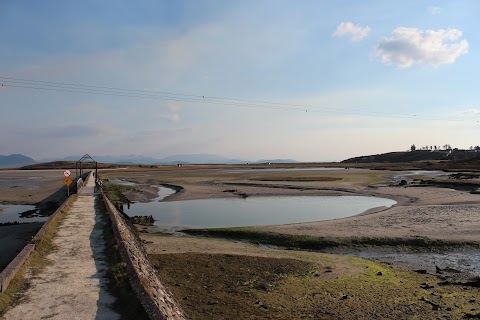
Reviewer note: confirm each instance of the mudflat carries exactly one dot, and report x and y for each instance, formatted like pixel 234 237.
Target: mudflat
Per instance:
pixel 29 186
pixel 421 211
pixel 218 279
pixel 43 188
pixel 214 278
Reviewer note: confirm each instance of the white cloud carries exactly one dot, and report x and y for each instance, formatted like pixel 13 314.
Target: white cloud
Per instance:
pixel 409 46
pixel 472 111
pixel 434 10
pixel 355 32
pixel 173 114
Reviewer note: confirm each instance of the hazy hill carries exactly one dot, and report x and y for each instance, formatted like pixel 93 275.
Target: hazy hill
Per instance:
pixel 418 155
pixel 213 159
pixel 198 159
pixel 276 161
pixel 15 161
pixel 201 158
pixel 121 159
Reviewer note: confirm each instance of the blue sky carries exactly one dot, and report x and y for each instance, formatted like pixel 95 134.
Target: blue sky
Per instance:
pixel 341 78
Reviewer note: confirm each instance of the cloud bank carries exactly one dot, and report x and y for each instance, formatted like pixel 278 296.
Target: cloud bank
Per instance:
pixel 409 46
pixel 355 32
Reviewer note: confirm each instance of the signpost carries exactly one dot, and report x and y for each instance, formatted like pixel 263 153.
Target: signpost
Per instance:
pixel 67 180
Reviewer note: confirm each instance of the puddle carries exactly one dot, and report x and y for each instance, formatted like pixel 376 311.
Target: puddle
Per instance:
pixel 234 212
pixel 13 213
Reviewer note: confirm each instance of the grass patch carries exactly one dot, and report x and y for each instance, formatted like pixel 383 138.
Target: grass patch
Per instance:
pixel 36 262
pixel 115 191
pixel 318 243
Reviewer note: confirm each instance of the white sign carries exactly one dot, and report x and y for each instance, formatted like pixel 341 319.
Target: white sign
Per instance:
pixel 67 173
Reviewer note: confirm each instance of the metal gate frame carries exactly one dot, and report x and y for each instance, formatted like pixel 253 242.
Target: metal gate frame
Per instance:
pixel 79 165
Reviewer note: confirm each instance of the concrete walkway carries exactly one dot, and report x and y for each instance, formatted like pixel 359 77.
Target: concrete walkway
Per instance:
pixel 73 286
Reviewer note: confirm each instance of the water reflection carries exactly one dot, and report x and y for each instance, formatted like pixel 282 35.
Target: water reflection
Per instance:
pixel 11 213
pixel 231 212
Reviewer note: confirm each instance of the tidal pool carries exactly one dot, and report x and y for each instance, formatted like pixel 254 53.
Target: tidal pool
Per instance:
pixel 234 212
pixel 11 213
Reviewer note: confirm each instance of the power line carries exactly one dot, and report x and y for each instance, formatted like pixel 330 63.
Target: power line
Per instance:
pixel 122 92
pixel 163 95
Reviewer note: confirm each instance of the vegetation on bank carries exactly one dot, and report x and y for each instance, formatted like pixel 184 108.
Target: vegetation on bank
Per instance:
pixel 115 191
pixel 318 243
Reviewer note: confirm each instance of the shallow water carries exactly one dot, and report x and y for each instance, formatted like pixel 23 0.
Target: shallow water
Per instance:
pixel 11 213
pixel 234 212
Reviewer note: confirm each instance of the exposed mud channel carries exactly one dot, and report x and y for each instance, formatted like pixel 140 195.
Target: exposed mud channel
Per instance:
pixel 453 265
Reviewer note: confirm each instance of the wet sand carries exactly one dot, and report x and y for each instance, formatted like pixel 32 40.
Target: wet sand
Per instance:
pixel 429 212
pixel 29 186
pixel 421 211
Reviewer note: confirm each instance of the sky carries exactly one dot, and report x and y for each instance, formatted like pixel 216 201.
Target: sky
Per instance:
pixel 295 79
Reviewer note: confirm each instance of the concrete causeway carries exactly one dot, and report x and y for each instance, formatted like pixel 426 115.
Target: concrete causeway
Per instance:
pixel 73 284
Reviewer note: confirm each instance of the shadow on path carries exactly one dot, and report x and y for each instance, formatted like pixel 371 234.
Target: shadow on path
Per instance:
pixel 13 239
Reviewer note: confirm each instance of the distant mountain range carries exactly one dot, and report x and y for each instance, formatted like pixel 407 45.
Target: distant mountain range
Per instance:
pixel 18 160
pixel 15 161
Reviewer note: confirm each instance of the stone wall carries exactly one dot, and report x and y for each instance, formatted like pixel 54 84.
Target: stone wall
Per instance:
pixel 154 296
